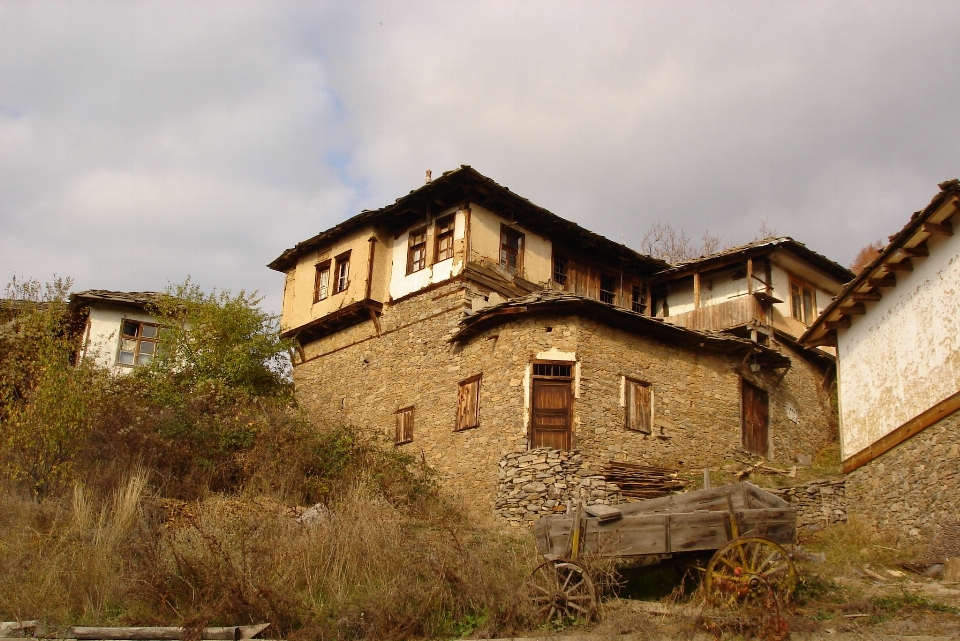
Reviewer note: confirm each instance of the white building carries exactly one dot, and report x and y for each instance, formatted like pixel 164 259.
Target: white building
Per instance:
pixel 120 333
pixel 896 328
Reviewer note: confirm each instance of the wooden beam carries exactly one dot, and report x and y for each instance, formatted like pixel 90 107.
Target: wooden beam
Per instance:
pixel 920 251
pixel 843 323
pixel 865 297
pixel 903 266
pixel 917 424
pixel 890 280
pixel 944 229
pixel 749 276
pixel 696 290
pixel 853 309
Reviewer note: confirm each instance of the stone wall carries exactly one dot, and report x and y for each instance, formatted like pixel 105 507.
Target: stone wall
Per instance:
pixel 819 503
pixel 544 481
pixel 360 377
pixel 914 487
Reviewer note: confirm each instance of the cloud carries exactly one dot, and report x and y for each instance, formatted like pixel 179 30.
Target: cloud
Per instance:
pixel 218 134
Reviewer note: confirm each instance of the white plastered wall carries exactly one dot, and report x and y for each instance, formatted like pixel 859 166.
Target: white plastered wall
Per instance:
pixel 102 340
pixel 402 283
pixel 485 243
pixel 903 356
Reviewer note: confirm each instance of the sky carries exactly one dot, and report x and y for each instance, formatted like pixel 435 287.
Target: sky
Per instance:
pixel 142 143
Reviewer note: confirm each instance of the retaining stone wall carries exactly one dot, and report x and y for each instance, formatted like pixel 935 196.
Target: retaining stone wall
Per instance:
pixel 914 487
pixel 818 503
pixel 545 481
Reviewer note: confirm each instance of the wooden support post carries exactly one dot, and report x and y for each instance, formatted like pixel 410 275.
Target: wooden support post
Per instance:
pixel 648 299
pixel 373 247
pixel 749 275
pixel 696 290
pixel 706 478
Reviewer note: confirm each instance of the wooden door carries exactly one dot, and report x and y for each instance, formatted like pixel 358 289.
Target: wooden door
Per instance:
pixel 755 413
pixel 551 413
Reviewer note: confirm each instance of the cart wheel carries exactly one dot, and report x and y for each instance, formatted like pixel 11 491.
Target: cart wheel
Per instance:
pixel 561 589
pixel 748 570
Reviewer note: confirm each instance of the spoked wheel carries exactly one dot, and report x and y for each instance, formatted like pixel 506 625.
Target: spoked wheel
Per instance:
pixel 750 570
pixel 561 589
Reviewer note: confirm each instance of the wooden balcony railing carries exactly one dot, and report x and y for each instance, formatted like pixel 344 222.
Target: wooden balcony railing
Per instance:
pixel 732 313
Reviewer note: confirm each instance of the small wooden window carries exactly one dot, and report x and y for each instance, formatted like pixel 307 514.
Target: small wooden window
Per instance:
pixel 138 342
pixel 608 288
pixel 417 250
pixel 560 271
pixel 468 403
pixel 404 425
pixel 552 370
pixel 636 299
pixel 511 250
pixel 342 275
pixel 803 302
pixel 321 286
pixel 638 400
pixel 444 234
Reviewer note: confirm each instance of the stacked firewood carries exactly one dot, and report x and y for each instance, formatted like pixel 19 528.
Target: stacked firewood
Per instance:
pixel 642 481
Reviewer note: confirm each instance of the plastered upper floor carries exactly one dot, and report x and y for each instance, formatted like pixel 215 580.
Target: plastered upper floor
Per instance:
pixel 381 268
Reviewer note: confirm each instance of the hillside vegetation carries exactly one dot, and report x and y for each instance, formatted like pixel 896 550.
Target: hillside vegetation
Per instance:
pixel 169 496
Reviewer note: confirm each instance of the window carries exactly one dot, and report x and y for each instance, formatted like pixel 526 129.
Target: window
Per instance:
pixel 511 250
pixel 444 233
pixel 560 271
pixel 638 401
pixel 321 287
pixel 636 299
pixel 342 273
pixel 608 288
pixel 404 425
pixel 417 250
pixel 138 342
pixel 803 302
pixel 468 403
pixel 550 369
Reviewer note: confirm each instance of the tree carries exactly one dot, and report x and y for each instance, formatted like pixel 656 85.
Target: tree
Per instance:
pixel 664 241
pixel 865 256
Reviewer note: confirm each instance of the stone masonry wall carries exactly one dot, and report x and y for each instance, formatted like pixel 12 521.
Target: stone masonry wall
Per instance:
pixel 360 378
pixel 543 481
pixel 819 503
pixel 915 486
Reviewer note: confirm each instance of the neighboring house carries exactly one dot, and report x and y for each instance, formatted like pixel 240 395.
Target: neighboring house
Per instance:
pixel 120 332
pixel 466 323
pixel 896 328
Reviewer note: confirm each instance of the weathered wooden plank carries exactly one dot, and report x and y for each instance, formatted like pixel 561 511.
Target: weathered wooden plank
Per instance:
pixel 163 633
pixel 603 513
pixel 697 531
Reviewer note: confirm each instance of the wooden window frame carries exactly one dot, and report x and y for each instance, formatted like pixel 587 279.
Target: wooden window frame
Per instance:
pixel 138 340
pixel 415 265
pixel 462 425
pixel 561 271
pixel 799 314
pixel 443 234
pixel 612 292
pixel 637 303
pixel 341 273
pixel 630 384
pixel 318 291
pixel 507 232
pixel 401 437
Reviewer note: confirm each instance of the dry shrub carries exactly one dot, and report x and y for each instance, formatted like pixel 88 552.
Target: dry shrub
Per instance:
pixel 855 544
pixel 69 561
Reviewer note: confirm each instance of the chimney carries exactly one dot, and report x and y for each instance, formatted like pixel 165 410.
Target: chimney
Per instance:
pixel 429 176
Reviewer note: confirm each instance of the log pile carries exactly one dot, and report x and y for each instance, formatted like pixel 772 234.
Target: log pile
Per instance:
pixel 642 481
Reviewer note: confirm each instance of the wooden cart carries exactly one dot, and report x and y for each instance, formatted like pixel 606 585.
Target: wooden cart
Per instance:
pixel 745 524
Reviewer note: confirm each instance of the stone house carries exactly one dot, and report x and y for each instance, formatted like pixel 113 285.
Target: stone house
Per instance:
pixel 896 329
pixel 468 325
pixel 119 333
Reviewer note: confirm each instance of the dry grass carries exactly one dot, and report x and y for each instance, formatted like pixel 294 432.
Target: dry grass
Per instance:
pixel 855 544
pixel 370 569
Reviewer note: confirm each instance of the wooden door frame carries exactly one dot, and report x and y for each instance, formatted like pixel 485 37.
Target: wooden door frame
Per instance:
pixel 573 397
pixel 769 453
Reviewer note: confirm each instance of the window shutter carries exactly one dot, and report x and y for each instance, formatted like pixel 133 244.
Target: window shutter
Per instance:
pixel 404 425
pixel 639 414
pixel 468 404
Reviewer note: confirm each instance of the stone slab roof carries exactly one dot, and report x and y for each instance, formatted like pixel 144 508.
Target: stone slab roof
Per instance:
pixel 556 302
